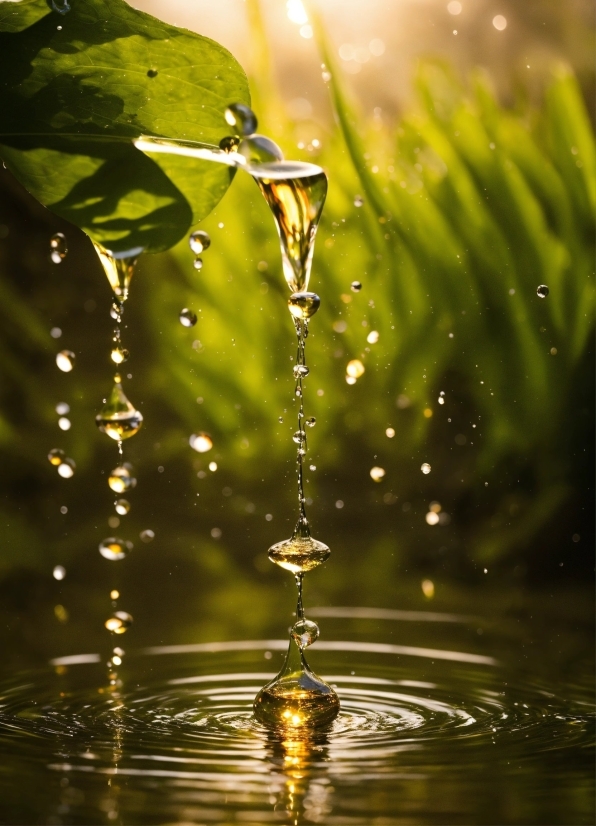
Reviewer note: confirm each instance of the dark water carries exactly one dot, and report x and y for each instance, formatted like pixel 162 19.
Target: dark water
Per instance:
pixel 441 722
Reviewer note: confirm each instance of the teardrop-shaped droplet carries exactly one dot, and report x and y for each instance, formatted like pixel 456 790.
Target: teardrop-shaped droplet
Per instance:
pixel 304 305
pixel 66 468
pixel 119 622
pixel 118 418
pixel 201 442
pixel 122 506
pixel 301 371
pixel 114 548
pixel 121 479
pixel 304 633
pixel 242 118
pixel 56 456
pixel 65 360
pixel 542 291
pixel 260 149
pixel 199 241
pixel 118 267
pixel 58 248
pixel 188 318
pixel 119 355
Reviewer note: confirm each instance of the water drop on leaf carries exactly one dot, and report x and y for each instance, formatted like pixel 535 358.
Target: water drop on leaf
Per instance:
pixel 242 118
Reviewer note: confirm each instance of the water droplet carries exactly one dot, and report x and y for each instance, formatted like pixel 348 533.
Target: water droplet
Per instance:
pixel 114 548
pixel 390 433
pixel 56 456
pixel 58 248
pixel 299 437
pixel 118 418
pixel 201 442
pixel 119 622
pixel 428 588
pixel 61 8
pixel 301 371
pixel 229 144
pixel 198 263
pixel 122 506
pixel 62 408
pixel 312 467
pixel 212 466
pixel 242 118
pixel 311 422
pixel 59 572
pixel 355 286
pixel 119 355
pixel 121 479
pixel 65 360
pixel 542 291
pixel 305 632
pixel 377 473
pixel 425 468
pixel 64 423
pixel 441 400
pixel 358 201
pixel 152 73
pixel 147 535
pixel 432 518
pixel 260 149
pixel 355 369
pixel 188 318
pixel 304 305
pixel 199 241
pixel 350 380
pixel 55 332
pixel 119 268
pixel 326 76
pixel 67 468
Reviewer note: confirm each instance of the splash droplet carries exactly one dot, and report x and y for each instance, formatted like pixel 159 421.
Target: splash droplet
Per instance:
pixel 355 369
pixel 198 263
pixel 67 468
pixel 201 442
pixel 355 286
pixel 199 241
pixel 305 633
pixel 58 248
pixel 118 418
pixel 299 554
pixel 542 291
pixel 121 479
pixel 377 473
pixel 242 118
pixel 147 536
pixel 114 548
pixel 372 337
pixel 122 506
pixel 301 371
pixel 358 201
pixel 119 355
pixel 56 456
pixel 65 360
pixel 188 318
pixel 311 422
pixel 425 468
pixel 119 622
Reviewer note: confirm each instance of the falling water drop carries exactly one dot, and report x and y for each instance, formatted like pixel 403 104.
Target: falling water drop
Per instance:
pixel 199 241
pixel 542 291
pixel 188 318
pixel 305 633
pixel 355 286
pixel 299 437
pixel 355 369
pixel 425 468
pixel 62 408
pixel 118 418
pixel 147 535
pixel 373 337
pixel 242 118
pixel 67 468
pixel 56 456
pixel 65 360
pixel 122 506
pixel 198 263
pixel 299 554
pixel 114 548
pixel 311 421
pixel 119 622
pixel 121 479
pixel 58 248
pixel 59 572
pixel 201 442
pixel 300 371
pixel 119 355
pixel 304 305
pixel 377 473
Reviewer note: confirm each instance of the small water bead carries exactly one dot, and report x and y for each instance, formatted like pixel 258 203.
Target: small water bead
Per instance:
pixel 305 633
pixel 67 468
pixel 114 595
pixel 377 473
pixel 122 506
pixel 372 337
pixel 299 437
pixel 65 360
pixel 425 468
pixel 198 263
pixel 441 399
pixel 229 144
pixel 59 572
pixel 311 422
pixel 152 73
pixel 62 408
pixel 188 318
pixel 260 149
pixel 355 286
pixel 301 371
pixel 242 118
pixel 119 355
pixel 56 456
pixel 199 241
pixel 114 548
pixel 118 418
pixel 304 304
pixel 119 622
pixel 390 433
pixel 201 442
pixel 64 423
pixel 542 291
pixel 121 479
pixel 58 248
pixel 147 535
pixel 355 369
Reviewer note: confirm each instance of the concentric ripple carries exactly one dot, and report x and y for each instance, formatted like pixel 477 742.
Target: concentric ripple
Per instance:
pixel 183 746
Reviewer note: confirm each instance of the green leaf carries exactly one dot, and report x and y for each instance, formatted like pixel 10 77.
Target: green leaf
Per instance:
pixel 77 88
pixel 16 16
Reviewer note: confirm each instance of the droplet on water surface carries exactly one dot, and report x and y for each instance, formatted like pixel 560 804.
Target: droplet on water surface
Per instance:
pixel 242 118
pixel 355 286
pixel 355 369
pixel 121 479
pixel 301 371
pixel 58 248
pixel 260 149
pixel 67 468
pixel 65 360
pixel 425 468
pixel 304 305
pixel 119 622
pixel 122 506
pixel 542 291
pixel 114 548
pixel 198 263
pixel 56 456
pixel 201 442
pixel 199 241
pixel 305 632
pixel 188 318
pixel 299 554
pixel 377 473
pixel 118 418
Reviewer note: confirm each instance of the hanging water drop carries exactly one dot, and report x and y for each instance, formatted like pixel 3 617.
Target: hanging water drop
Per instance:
pixel 67 468
pixel 301 371
pixel 242 118
pixel 122 507
pixel 119 622
pixel 121 479
pixel 304 305
pixel 305 633
pixel 65 360
pixel 201 442
pixel 542 291
pixel 119 268
pixel 118 418
pixel 425 468
pixel 114 548
pixel 372 337
pixel 198 263
pixel 58 248
pixel 199 241
pixel 355 286
pixel 119 355
pixel 188 318
pixel 56 456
